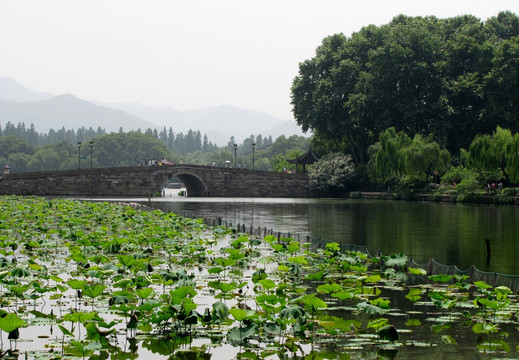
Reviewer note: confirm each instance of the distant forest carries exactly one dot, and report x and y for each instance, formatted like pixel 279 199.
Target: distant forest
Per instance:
pixel 179 142
pixel 25 149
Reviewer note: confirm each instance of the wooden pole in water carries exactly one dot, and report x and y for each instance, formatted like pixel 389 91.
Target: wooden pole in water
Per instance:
pixel 487 243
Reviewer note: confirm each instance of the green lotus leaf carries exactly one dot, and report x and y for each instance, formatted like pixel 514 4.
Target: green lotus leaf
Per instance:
pixel 417 271
pixel 65 331
pixel 144 293
pixel 238 314
pixel 11 322
pixel 272 328
pixel 267 284
pixel 293 312
pixel 77 284
pixel 240 335
pixel 94 291
pixel 329 288
pixel 397 260
pixel 371 309
pixel 19 272
pixel 149 305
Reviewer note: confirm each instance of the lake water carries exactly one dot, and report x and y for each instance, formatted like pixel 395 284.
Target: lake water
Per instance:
pixel 452 234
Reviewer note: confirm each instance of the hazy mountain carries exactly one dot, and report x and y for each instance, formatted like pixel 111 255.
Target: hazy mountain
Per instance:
pixel 287 128
pixel 70 112
pixel 218 123
pixel 12 90
pixel 19 104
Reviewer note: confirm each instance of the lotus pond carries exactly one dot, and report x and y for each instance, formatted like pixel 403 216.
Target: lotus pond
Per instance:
pixel 100 281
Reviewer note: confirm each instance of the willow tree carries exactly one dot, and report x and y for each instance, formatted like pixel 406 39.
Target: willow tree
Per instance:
pixel 496 155
pixel 396 158
pixel 386 164
pixel 424 158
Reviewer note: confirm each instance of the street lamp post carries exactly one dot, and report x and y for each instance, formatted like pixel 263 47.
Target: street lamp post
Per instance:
pixel 235 148
pixel 91 146
pixel 79 154
pixel 253 147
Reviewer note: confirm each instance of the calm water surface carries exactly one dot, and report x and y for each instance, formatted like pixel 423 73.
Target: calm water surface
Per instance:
pixel 452 234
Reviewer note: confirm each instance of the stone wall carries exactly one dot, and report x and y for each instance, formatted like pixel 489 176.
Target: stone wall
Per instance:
pixel 149 181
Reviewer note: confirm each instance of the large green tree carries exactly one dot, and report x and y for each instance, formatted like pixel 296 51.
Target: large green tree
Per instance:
pixel 421 75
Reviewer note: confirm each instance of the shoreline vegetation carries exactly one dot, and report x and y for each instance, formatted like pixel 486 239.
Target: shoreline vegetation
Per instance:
pixel 474 198
pixel 104 275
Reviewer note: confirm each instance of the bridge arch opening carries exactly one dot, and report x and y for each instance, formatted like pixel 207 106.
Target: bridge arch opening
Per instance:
pixel 195 187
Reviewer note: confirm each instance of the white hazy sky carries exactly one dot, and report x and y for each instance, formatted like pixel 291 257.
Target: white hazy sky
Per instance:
pixel 191 53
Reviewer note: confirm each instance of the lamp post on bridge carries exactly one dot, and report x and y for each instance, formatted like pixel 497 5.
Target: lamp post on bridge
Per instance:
pixel 79 154
pixel 91 146
pixel 235 148
pixel 253 147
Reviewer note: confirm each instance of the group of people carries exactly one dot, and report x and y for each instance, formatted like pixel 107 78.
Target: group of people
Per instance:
pixel 153 162
pixel 229 166
pixel 492 187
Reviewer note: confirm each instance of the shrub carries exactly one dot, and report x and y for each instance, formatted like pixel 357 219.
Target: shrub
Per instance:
pixel 468 185
pixel 456 174
pixel 331 172
pixel 510 192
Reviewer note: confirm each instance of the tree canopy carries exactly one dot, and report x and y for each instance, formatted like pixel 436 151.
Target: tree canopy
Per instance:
pixel 453 78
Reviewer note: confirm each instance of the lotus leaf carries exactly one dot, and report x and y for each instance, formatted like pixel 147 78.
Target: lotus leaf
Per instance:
pixel 329 288
pixel 11 322
pixel 267 284
pixel 19 272
pixel 272 328
pixel 144 293
pixel 414 294
pixel 240 335
pixel 314 303
pixel 149 305
pixel 397 260
pixel 377 323
pixel 293 312
pixel 298 260
pixel 93 291
pixel 417 271
pixel 371 309
pixel 77 284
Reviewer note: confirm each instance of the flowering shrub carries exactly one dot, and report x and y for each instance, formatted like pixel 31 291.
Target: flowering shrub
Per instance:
pixel 331 172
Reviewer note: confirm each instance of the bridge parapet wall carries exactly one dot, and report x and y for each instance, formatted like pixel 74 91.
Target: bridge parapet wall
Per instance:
pixel 121 181
pixel 149 181
pixel 248 183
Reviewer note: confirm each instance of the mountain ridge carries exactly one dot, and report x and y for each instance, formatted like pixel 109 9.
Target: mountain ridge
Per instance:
pixel 19 104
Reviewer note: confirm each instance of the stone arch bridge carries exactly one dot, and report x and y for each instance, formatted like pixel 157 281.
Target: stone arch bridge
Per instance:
pixel 149 181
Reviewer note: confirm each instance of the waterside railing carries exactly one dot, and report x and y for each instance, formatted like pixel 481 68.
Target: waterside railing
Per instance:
pixel 432 266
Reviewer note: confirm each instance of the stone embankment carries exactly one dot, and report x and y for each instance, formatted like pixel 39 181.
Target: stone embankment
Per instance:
pixel 485 199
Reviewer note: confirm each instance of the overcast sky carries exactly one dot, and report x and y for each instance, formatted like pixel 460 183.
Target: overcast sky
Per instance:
pixel 191 53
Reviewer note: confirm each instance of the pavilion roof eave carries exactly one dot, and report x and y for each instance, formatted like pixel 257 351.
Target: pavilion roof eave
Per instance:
pixel 307 158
